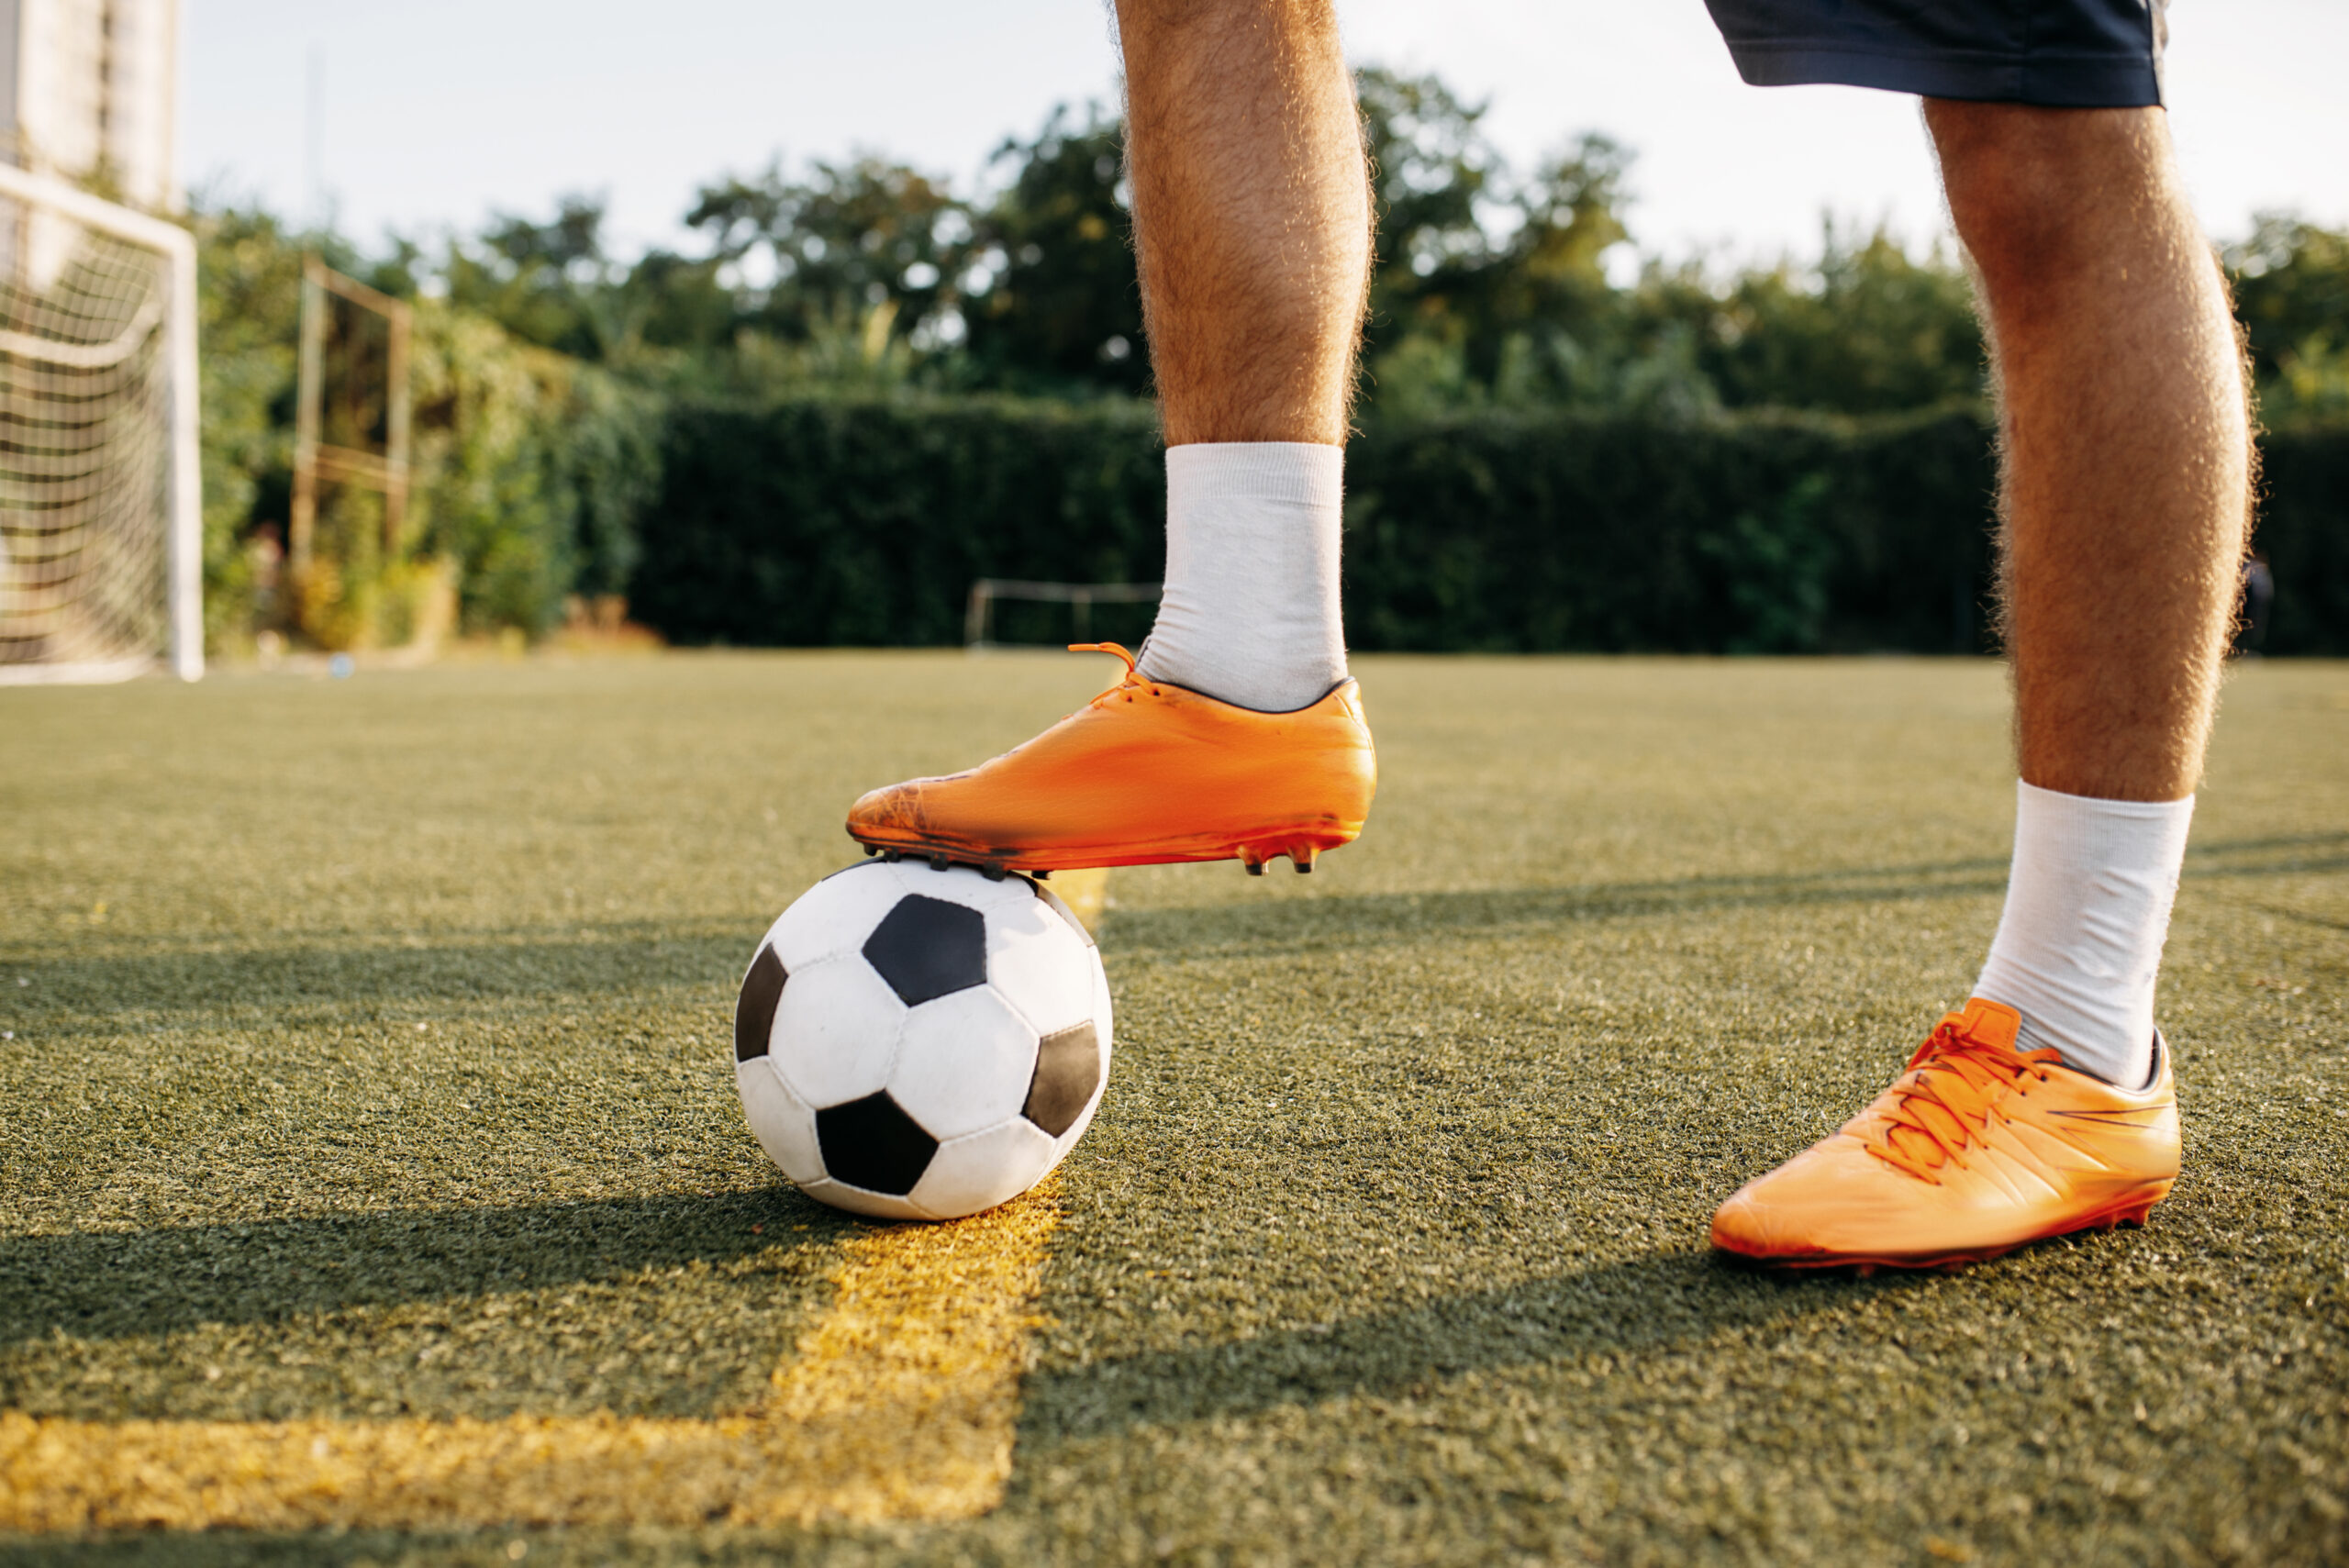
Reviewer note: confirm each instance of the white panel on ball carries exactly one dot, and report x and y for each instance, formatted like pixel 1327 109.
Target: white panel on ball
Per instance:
pixel 962 885
pixel 785 1128
pixel 835 916
pixel 964 1062
pixel 836 1029
pixel 1040 966
pixel 856 1200
pixel 984 1169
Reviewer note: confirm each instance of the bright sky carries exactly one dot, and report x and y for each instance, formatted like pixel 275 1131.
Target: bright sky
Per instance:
pixel 461 107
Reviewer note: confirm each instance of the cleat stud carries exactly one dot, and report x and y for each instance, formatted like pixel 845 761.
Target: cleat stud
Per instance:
pixel 872 850
pixel 1041 875
pixel 1301 856
pixel 1255 868
pixel 939 863
pixel 992 871
pixel 892 856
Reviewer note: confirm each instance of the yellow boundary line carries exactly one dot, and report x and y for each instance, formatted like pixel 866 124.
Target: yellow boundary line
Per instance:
pixel 902 1403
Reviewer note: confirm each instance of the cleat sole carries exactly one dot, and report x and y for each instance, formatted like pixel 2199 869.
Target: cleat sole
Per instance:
pixel 2135 1209
pixel 1303 844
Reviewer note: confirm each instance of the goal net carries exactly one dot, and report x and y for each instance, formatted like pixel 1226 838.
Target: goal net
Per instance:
pixel 100 533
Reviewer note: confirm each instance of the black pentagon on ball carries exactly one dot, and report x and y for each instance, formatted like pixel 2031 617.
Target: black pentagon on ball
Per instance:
pixel 874 1144
pixel 927 948
pixel 755 1009
pixel 1068 1069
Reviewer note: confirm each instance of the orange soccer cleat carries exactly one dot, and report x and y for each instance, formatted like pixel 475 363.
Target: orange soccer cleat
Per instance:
pixel 1145 774
pixel 1975 1149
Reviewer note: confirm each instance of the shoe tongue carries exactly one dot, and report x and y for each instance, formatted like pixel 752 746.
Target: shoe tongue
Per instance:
pixel 1992 1023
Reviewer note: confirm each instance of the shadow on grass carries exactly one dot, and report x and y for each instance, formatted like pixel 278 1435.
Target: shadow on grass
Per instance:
pixel 577 965
pixel 101 1286
pixel 1385 918
pixel 1655 1301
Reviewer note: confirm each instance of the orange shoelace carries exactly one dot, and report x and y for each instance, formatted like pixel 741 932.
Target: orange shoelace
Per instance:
pixel 1946 1099
pixel 1126 687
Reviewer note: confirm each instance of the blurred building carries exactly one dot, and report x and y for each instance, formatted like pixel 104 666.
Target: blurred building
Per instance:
pixel 87 90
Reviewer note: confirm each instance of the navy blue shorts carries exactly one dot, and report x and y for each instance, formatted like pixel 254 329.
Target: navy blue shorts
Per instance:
pixel 2059 54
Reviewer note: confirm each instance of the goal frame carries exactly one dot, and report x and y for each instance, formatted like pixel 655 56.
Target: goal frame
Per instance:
pixel 1082 596
pixel 183 519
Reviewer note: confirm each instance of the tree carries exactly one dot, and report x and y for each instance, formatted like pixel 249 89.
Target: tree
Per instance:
pixel 1052 297
pixel 1866 328
pixel 1430 170
pixel 547 284
pixel 1487 285
pixel 835 246
pixel 2291 284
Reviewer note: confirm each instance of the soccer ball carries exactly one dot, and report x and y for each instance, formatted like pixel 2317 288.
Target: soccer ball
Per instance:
pixel 922 1043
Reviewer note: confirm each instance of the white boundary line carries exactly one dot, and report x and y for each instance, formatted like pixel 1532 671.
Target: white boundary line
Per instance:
pixel 77 673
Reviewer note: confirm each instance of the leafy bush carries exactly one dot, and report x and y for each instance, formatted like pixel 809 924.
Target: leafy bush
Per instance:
pixel 531 467
pixel 535 467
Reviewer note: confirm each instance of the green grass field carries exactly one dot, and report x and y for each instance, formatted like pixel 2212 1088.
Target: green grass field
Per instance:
pixel 366 1059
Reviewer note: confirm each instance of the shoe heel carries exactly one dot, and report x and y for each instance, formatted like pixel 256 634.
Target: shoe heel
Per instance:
pixel 2139 1209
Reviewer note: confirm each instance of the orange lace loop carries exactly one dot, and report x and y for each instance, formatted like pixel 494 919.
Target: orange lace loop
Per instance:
pixel 1117 647
pixel 1133 678
pixel 1946 1099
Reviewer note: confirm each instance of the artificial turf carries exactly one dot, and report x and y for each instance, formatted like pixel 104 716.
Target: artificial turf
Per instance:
pixel 365 1056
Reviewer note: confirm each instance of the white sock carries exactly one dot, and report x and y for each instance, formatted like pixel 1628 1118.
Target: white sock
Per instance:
pixel 1250 611
pixel 2088 908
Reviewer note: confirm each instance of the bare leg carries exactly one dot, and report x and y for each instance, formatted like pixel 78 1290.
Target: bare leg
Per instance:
pixel 2124 493
pixel 1251 215
pixel 2125 489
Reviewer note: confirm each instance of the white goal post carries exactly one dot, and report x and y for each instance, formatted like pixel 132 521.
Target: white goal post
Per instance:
pixel 100 496
pixel 1080 596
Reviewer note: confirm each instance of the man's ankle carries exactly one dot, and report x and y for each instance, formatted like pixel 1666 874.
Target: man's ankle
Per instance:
pixel 2088 910
pixel 1250 613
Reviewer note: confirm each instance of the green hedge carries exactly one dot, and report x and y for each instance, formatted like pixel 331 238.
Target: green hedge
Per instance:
pixel 2304 533
pixel 1764 535
pixel 827 522
pixel 824 522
